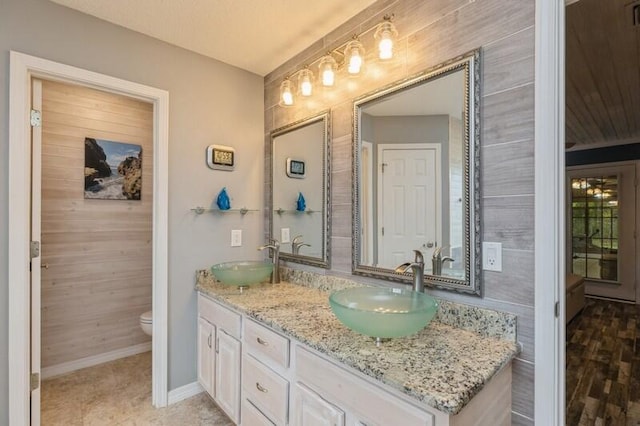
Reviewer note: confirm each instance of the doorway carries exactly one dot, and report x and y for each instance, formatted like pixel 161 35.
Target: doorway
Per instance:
pixel 92 213
pixel 23 69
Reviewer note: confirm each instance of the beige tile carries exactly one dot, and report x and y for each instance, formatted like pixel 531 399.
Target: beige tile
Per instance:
pixel 119 393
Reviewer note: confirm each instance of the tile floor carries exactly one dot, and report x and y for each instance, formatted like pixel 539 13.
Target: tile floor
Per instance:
pixel 603 365
pixel 119 393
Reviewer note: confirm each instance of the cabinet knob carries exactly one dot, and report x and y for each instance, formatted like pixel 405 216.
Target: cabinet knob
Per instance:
pixel 262 342
pixel 261 388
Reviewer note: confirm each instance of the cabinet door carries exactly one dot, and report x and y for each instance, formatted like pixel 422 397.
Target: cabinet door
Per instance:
pixel 227 375
pixel 206 354
pixel 311 410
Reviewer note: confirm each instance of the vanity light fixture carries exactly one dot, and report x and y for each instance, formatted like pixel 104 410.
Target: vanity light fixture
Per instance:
pixel 354 52
pixel 386 34
pixel 352 55
pixel 286 96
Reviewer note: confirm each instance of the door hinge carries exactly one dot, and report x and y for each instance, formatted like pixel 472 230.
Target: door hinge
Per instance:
pixel 217 345
pixel 383 231
pixel 36 118
pixel 35 249
pixel 34 381
pixel 383 166
pixel 557 309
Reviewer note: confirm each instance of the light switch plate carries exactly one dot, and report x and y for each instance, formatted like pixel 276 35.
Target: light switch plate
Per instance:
pixel 236 237
pixel 492 256
pixel 285 235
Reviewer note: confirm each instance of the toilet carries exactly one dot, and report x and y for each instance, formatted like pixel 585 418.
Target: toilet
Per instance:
pixel 146 322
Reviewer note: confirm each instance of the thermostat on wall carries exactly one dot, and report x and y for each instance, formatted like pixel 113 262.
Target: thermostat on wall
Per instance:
pixel 295 168
pixel 221 157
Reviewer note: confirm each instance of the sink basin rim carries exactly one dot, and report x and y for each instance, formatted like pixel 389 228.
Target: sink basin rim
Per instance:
pixel 392 313
pixel 242 272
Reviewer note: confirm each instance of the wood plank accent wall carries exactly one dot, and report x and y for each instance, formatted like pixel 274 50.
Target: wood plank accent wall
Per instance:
pixel 431 32
pixel 99 251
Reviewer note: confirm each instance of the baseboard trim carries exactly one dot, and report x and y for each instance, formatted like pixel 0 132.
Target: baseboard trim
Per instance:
pixel 184 392
pixel 90 361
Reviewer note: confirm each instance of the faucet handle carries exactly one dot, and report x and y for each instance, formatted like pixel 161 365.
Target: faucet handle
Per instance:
pixel 296 239
pixel 419 256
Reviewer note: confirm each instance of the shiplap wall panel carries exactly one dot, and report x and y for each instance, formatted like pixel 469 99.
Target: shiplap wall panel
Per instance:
pixel 98 251
pixel 431 32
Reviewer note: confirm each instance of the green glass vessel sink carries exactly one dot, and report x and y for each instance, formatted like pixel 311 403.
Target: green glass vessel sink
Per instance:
pixel 383 312
pixel 242 273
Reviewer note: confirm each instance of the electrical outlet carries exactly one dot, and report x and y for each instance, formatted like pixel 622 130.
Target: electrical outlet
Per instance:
pixel 236 237
pixel 492 256
pixel 285 235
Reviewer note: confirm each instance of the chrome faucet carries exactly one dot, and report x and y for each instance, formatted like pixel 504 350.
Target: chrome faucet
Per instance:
pixel 274 246
pixel 296 243
pixel 417 267
pixel 437 260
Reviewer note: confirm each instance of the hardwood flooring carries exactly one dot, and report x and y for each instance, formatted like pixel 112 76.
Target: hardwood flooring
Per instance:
pixel 603 365
pixel 119 393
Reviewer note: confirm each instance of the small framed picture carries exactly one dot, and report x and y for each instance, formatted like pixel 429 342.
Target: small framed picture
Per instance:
pixel 221 157
pixel 295 168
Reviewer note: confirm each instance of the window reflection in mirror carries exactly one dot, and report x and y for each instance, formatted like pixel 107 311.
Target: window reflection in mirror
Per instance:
pixel 414 150
pixel 299 197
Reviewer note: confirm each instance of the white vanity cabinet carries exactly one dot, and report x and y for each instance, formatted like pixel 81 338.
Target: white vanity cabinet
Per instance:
pixel 219 355
pixel 368 404
pixel 260 377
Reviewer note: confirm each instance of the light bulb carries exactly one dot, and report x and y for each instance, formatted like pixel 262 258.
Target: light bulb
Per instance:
pixel 328 77
pixel 385 34
pixel 327 67
pixel 385 47
pixel 355 62
pixel 304 82
pixel 286 96
pixel 354 51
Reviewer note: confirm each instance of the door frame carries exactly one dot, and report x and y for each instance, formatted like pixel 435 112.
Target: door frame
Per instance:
pixel 549 212
pixel 22 68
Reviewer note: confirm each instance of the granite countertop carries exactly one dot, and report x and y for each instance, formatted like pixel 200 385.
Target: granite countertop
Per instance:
pixel 443 366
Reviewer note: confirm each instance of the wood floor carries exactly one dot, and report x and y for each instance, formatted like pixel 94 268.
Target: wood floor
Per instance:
pixel 119 393
pixel 603 365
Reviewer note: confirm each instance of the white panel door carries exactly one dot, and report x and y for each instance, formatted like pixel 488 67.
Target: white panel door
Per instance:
pixel 311 410
pixel 206 354
pixel 410 202
pixel 227 375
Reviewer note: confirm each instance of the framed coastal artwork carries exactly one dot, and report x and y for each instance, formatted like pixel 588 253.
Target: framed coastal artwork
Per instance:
pixel 112 170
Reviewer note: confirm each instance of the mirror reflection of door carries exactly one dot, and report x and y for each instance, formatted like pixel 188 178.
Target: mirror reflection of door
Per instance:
pixel 601 216
pixel 409 190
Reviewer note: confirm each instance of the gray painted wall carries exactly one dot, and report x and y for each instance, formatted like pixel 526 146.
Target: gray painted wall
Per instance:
pixel 431 32
pixel 209 102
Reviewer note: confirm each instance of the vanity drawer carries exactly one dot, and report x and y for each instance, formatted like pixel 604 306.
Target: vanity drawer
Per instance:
pixel 265 389
pixel 251 416
pixel 220 316
pixel 372 405
pixel 262 342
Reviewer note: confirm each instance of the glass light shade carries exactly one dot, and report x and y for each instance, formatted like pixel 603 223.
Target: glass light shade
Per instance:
pixel 305 82
pixel 354 52
pixel 286 95
pixel 385 35
pixel 327 68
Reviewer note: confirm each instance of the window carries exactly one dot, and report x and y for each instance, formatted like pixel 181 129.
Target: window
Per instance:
pixel 594 227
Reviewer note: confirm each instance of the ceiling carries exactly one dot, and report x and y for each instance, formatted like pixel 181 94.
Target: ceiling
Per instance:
pixel 255 35
pixel 602 73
